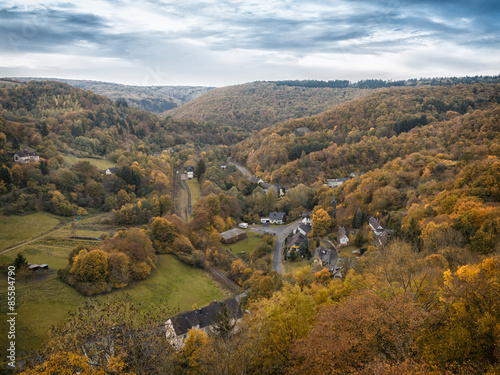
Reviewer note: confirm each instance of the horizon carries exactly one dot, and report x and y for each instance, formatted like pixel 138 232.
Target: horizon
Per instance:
pixel 216 44
pixel 240 83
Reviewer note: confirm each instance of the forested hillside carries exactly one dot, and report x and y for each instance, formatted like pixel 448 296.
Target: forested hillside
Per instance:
pixel 254 106
pixel 364 134
pixel 156 99
pixel 53 114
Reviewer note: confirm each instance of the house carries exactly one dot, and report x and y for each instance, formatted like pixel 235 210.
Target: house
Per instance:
pixel 342 236
pixel 303 228
pixel 306 219
pixel 223 165
pixel 375 225
pixel 384 236
pixel 256 180
pixel 265 220
pixel 328 257
pixel 190 172
pixel 112 170
pixel 232 235
pixel 177 327
pixel 293 243
pixel 277 217
pixel 336 182
pixel 26 157
pixel 280 190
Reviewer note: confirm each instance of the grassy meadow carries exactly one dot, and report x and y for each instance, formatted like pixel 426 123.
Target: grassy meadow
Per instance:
pixel 244 246
pixel 45 301
pixel 101 164
pixel 16 229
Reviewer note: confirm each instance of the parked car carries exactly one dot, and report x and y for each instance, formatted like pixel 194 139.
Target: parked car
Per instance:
pixel 243 225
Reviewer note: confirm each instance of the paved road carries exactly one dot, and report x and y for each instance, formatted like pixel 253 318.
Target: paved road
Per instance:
pixel 242 169
pixel 281 234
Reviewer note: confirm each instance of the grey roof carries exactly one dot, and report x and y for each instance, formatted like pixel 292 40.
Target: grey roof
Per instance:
pixel 276 215
pixel 374 223
pixel 25 153
pixel 189 168
pixel 265 185
pixel 112 169
pixel 296 239
pixel 305 227
pixel 254 179
pixel 329 256
pixel 228 234
pixel 204 317
pixel 342 232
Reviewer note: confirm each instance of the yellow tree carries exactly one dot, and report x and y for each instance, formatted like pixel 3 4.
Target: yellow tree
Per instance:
pixel 321 222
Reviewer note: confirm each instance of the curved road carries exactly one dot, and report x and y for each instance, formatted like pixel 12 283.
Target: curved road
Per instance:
pixel 281 234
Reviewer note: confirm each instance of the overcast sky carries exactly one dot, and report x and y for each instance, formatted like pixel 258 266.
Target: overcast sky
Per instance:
pixel 219 42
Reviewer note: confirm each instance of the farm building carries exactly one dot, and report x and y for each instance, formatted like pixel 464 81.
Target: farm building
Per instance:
pixel 233 235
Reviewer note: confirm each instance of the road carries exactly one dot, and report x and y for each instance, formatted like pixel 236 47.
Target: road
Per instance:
pixel 281 234
pixel 242 169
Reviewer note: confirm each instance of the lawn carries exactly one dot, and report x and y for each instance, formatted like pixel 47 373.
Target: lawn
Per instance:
pixel 194 187
pixel 45 303
pixel 16 229
pixel 101 164
pixel 246 245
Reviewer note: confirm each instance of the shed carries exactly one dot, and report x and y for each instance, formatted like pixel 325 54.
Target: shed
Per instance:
pixel 232 235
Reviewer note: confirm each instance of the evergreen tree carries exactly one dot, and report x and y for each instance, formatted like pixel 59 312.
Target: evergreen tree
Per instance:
pixel 358 219
pixel 5 175
pixel 20 261
pixel 44 167
pixel 200 169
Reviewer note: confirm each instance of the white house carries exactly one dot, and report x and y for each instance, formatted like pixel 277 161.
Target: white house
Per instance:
pixel 190 172
pixel 306 219
pixel 336 182
pixel 26 157
pixel 342 236
pixel 375 225
pixel 111 170
pixel 277 217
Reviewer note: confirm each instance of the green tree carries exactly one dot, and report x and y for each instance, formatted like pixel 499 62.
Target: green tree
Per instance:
pixel 6 175
pixel 359 240
pixel 20 261
pixel 358 219
pixel 200 169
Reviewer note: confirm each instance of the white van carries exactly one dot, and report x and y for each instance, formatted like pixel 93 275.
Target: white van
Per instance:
pixel 243 225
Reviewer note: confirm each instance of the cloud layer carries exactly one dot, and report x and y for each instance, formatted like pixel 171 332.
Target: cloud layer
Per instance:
pixel 209 42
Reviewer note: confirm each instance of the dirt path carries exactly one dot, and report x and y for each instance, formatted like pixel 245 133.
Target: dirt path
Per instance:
pixel 59 227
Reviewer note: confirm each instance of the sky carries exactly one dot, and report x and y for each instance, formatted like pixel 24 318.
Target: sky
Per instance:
pixel 221 42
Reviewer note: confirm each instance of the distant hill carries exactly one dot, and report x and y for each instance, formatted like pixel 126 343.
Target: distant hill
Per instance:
pixel 49 115
pixel 257 105
pixel 364 134
pixel 156 99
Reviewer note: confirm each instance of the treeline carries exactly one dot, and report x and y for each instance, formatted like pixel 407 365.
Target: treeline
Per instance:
pixel 379 83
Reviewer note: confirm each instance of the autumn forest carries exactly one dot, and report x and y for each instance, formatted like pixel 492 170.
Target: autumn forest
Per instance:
pixel 420 294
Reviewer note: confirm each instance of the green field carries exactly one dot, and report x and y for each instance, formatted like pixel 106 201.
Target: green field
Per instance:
pixel 16 229
pixel 194 187
pixel 246 245
pixel 45 303
pixel 101 164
